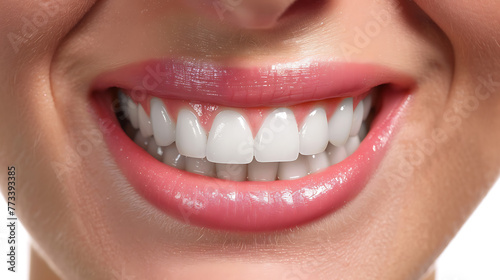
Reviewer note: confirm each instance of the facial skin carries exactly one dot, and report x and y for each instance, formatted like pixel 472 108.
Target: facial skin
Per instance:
pixel 86 221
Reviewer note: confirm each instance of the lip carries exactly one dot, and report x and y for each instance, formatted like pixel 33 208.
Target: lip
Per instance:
pixel 276 85
pixel 253 206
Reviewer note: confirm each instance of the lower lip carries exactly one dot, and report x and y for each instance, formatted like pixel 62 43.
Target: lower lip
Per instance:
pixel 249 206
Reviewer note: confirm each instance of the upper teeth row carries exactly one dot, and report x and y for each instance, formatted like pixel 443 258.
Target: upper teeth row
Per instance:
pixel 230 139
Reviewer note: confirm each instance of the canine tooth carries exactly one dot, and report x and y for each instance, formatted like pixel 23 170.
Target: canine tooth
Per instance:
pixel 123 99
pixel 314 133
pixel 163 126
pixel 318 162
pixel 129 130
pixel 262 171
pixel 367 105
pixel 293 169
pixel 190 137
pixel 232 172
pixel 340 123
pixel 336 154
pixel 155 150
pixel 141 141
pixel 230 140
pixel 357 119
pixel 144 122
pixel 352 145
pixel 200 166
pixel 172 157
pixel 278 138
pixel 363 131
pixel 132 113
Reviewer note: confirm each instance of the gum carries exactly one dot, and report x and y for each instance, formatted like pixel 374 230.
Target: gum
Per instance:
pixel 255 116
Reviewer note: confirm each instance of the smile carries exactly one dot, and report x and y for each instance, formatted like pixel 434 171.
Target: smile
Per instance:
pixel 249 149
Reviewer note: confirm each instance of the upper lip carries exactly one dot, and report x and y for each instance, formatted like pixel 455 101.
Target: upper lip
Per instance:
pixel 280 84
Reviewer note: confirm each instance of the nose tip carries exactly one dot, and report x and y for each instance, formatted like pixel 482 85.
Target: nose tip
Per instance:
pixel 256 14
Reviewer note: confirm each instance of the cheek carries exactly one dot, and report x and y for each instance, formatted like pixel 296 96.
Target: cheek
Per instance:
pixel 473 32
pixel 463 19
pixel 34 28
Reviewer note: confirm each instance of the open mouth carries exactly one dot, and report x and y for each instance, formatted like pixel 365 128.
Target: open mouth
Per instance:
pixel 249 149
pixel 254 144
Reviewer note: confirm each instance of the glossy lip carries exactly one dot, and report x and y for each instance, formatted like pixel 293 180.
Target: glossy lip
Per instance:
pixel 276 85
pixel 250 206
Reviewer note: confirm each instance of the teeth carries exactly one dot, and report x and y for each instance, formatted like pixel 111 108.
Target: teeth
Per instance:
pixel 132 113
pixel 363 131
pixel 367 106
pixel 278 138
pixel 230 139
pixel 341 122
pixel 262 171
pixel 293 169
pixel 336 154
pixel 200 166
pixel 318 162
pixel 123 99
pixel 357 119
pixel 314 133
pixel 190 137
pixel 279 150
pixel 352 145
pixel 232 172
pixel 141 140
pixel 129 130
pixel 144 122
pixel 155 150
pixel 163 126
pixel 172 157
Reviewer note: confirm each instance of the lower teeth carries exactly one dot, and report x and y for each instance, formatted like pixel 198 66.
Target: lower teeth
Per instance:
pixel 254 171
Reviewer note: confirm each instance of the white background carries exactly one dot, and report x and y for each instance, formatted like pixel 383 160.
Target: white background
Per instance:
pixel 473 254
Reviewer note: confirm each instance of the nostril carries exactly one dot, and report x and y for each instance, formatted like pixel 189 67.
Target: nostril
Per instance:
pixel 255 14
pixel 260 14
pixel 265 14
pixel 304 7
